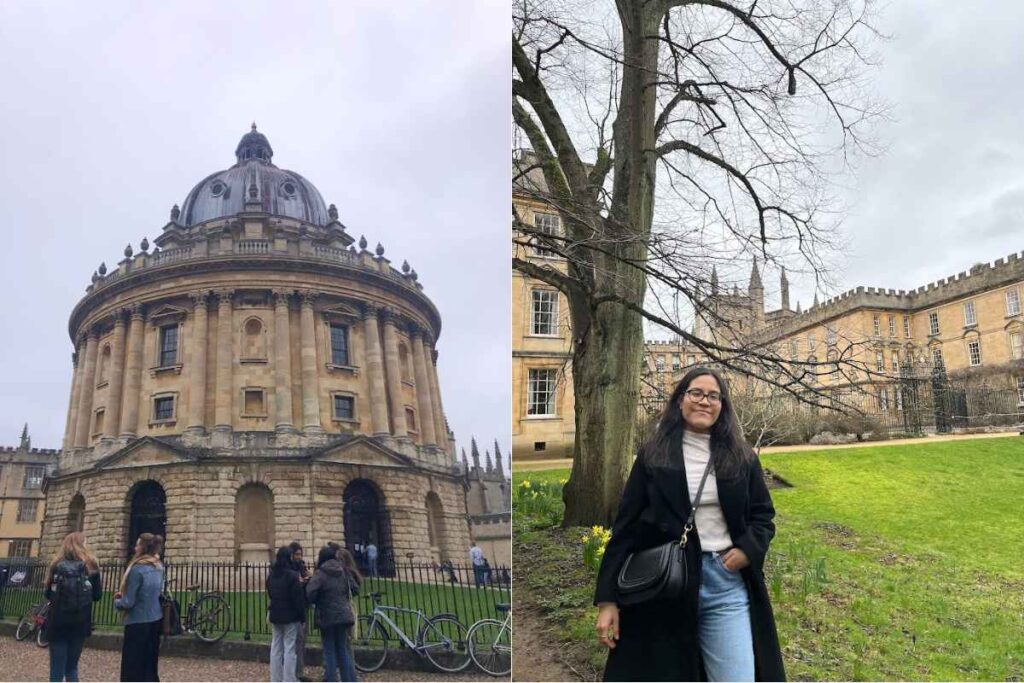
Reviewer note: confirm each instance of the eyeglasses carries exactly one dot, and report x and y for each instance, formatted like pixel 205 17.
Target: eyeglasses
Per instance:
pixel 698 395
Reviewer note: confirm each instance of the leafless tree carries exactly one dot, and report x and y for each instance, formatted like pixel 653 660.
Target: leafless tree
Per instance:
pixel 734 118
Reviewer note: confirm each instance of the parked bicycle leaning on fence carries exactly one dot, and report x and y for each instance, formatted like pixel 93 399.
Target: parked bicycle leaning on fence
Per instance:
pixel 490 643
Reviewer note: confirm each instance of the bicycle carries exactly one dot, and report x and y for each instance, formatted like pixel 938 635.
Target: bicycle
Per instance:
pixel 441 639
pixel 490 643
pixel 207 616
pixel 32 622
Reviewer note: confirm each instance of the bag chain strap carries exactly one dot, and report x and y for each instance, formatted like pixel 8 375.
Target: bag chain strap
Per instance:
pixel 696 501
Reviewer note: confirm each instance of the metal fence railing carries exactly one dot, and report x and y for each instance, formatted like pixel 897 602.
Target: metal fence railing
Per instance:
pixel 430 588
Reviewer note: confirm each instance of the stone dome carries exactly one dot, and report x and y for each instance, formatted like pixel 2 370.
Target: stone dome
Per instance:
pixel 253 179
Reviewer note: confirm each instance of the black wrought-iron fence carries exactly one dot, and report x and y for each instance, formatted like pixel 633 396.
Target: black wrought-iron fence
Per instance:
pixel 430 588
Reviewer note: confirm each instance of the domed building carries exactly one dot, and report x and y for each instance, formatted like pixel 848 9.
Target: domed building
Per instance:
pixel 255 377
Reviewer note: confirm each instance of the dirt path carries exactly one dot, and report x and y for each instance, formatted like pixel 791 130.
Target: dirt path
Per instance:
pixel 525 465
pixel 534 658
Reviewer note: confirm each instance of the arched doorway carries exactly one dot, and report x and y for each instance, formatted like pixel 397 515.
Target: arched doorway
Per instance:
pixel 254 524
pixel 76 513
pixel 367 524
pixel 148 513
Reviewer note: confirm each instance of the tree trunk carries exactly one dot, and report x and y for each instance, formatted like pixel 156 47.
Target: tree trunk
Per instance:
pixel 608 337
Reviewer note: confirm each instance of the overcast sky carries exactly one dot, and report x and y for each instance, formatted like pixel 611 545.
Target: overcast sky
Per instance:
pixel 949 191
pixel 397 112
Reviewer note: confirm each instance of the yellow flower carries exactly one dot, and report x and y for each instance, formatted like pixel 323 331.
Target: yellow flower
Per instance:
pixel 585 538
pixel 597 530
pixel 525 484
pixel 563 482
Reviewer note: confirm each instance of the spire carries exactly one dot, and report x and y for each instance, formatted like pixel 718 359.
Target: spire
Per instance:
pixel 474 452
pixel 490 465
pixel 784 286
pixel 714 281
pixel 498 463
pixel 26 441
pixel 465 463
pixel 755 277
pixel 798 306
pixel 815 304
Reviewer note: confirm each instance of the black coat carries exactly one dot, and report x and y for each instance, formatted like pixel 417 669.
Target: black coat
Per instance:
pixel 287 597
pixel 329 590
pixel 55 628
pixel 659 642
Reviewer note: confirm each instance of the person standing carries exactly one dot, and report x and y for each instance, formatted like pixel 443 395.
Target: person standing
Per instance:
pixel 476 556
pixel 329 590
pixel 287 614
pixel 139 598
pixel 72 585
pixel 299 565
pixel 371 558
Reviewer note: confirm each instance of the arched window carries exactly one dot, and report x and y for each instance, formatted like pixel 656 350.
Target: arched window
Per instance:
pixel 147 513
pixel 254 341
pixel 76 513
pixel 435 527
pixel 103 372
pixel 366 523
pixel 254 523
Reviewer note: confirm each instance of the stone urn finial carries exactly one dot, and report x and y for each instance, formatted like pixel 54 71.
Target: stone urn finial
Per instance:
pixel 405 267
pixel 95 277
pixel 144 246
pixel 379 250
pixel 103 268
pixel 362 242
pixel 128 251
pixel 414 276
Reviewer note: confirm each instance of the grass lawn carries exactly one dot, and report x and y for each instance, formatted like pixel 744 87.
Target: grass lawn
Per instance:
pixel 893 562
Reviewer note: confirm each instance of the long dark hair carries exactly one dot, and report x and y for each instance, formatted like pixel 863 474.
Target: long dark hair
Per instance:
pixel 730 453
pixel 350 565
pixel 326 554
pixel 283 561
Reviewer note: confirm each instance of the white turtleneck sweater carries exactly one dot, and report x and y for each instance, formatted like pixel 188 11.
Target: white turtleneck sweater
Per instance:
pixel 709 520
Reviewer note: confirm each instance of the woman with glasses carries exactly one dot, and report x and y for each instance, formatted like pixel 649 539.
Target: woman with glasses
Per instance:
pixel 722 629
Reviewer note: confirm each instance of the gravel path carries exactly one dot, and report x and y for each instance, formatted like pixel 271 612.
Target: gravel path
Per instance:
pixel 26 662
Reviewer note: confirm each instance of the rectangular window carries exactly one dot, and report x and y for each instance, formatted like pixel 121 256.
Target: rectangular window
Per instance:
pixel 933 322
pixel 675 362
pixel 1016 345
pixel 254 402
pixel 812 342
pixel 1012 302
pixel 163 408
pixel 27 509
pixel 883 400
pixel 540 446
pixel 830 337
pixel 1020 390
pixel 906 326
pixel 344 407
pixel 98 422
pixel 541 392
pixel 892 326
pixel 899 398
pixel 937 358
pixel 794 350
pixel 33 477
pixel 876 324
pixel 659 362
pixel 879 361
pixel 410 419
pixel 168 345
pixel 339 345
pixel 548 224
pixel 545 312
pixel 969 317
pixel 974 351
pixel 20 548
pixel 691 360
pixel 895 361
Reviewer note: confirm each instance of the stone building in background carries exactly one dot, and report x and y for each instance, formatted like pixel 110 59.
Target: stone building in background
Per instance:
pixel 489 503
pixel 22 502
pixel 256 377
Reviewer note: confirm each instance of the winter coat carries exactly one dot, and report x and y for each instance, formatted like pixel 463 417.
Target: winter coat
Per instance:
pixel 287 598
pixel 659 642
pixel 329 591
pixel 55 629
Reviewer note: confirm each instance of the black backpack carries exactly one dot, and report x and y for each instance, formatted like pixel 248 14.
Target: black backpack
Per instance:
pixel 72 591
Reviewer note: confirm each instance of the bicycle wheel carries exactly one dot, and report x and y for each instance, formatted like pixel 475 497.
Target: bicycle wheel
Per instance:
pixel 490 647
pixel 211 618
pixel 26 625
pixel 443 641
pixel 41 639
pixel 369 644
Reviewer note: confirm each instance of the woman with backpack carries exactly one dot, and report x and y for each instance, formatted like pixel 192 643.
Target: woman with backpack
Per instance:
pixel 330 590
pixel 72 585
pixel 139 598
pixel 287 614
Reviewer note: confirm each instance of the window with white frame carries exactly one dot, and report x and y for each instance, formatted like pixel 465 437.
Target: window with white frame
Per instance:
pixel 831 337
pixel 33 477
pixel 676 364
pixel 548 224
pixel 899 398
pixel 876 324
pixel 793 349
pixel 969 317
pixel 541 392
pixel 906 326
pixel 974 352
pixel 883 399
pixel 895 361
pixel 1017 345
pixel 1020 390
pixel 933 322
pixel 21 547
pixel 691 360
pixel 892 326
pixel 27 509
pixel 812 342
pixel 937 358
pixel 1013 301
pixel 544 319
pixel 659 363
pixel 879 361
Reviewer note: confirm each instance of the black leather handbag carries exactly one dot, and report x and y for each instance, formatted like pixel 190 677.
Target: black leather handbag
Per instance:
pixel 660 573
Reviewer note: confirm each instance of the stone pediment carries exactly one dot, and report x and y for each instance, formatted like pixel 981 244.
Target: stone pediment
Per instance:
pixel 145 452
pixel 363 451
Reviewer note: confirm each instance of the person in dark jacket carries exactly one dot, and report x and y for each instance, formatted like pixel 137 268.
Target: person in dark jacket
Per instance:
pixel 299 565
pixel 139 598
pixel 330 590
pixel 69 622
pixel 287 614
pixel 723 628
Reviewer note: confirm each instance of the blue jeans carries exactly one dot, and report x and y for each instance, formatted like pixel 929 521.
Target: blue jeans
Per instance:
pixel 282 651
pixel 726 643
pixel 64 654
pixel 338 653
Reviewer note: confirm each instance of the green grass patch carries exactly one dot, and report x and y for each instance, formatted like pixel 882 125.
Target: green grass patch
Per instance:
pixel 895 562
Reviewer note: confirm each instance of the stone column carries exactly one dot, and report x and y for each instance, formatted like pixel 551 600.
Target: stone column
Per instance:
pixel 394 375
pixel 282 364
pixel 225 390
pixel 197 373
pixel 88 389
pixel 425 405
pixel 112 421
pixel 375 372
pixel 132 376
pixel 435 395
pixel 310 378
pixel 71 425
